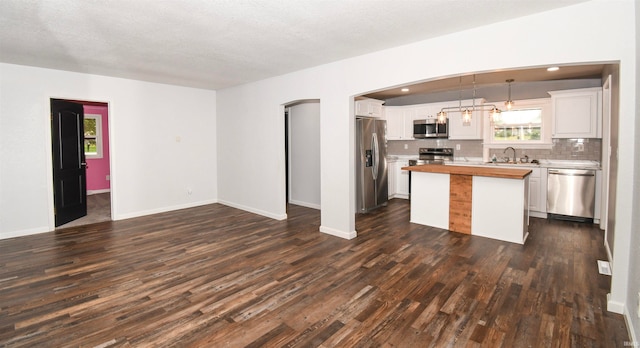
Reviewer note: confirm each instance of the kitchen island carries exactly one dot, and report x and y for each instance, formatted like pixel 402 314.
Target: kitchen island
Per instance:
pixel 481 201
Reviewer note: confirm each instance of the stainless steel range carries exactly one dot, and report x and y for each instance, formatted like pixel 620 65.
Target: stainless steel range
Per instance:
pixel 431 155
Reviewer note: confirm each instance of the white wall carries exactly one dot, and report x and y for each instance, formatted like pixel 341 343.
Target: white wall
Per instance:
pixel 633 293
pixel 304 154
pixel 162 142
pixel 596 31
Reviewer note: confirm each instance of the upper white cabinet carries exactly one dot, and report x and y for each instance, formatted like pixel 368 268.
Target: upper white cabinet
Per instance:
pixel 399 122
pixel 369 107
pixel 576 113
pixel 459 130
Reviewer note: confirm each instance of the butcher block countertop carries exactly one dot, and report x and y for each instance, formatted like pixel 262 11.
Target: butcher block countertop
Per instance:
pixel 494 172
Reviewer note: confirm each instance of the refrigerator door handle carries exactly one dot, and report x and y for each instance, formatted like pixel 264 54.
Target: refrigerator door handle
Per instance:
pixel 374 146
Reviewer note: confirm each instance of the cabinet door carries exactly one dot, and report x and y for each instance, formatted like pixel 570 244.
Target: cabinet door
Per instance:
pixel 375 109
pixel 534 194
pixel 391 177
pixel 575 113
pixel 369 107
pixel 395 123
pixel 402 183
pixel 362 109
pixel 473 130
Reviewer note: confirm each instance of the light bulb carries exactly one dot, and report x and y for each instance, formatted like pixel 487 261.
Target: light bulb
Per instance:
pixel 509 104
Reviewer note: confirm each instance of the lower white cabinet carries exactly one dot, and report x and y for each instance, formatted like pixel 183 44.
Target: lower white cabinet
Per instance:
pixel 391 178
pixel 398 179
pixel 402 181
pixel 537 191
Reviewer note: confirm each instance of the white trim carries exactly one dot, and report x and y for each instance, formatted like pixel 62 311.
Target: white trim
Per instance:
pixel 537 214
pixel 304 204
pixel 95 192
pixel 338 233
pixel 608 250
pixel 546 142
pixel 99 139
pixel 255 211
pixel 28 232
pixel 162 210
pixel 629 322
pixel 614 306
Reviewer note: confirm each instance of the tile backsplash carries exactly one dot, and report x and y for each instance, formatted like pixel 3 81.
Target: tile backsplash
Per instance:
pixel 562 149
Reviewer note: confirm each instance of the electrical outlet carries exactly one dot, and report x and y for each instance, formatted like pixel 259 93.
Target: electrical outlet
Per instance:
pixel 406 146
pixel 457 146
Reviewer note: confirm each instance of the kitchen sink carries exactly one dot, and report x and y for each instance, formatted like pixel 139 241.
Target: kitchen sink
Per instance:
pixel 524 164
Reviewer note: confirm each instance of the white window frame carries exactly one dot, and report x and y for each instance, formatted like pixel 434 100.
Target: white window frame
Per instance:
pixel 98 153
pixel 545 141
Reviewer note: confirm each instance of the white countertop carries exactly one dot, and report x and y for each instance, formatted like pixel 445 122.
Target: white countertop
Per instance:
pixel 477 161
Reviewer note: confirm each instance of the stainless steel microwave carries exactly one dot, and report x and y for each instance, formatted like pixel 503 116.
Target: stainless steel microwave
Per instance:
pixel 430 128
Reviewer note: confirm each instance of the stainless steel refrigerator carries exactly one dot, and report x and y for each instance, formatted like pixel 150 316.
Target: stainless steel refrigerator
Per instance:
pixel 371 164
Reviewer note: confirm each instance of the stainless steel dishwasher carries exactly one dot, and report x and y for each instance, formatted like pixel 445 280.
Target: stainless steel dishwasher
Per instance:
pixel 571 194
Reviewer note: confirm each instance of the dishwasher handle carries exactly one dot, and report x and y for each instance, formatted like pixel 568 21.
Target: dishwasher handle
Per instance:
pixel 568 173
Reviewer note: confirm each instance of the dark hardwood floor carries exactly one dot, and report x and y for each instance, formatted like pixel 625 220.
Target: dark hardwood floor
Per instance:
pixel 214 276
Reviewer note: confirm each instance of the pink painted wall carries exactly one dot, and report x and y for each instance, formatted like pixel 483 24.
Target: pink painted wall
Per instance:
pixel 98 168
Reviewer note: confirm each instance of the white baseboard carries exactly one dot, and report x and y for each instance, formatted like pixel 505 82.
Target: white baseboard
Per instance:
pixel 614 306
pixel 399 195
pixel 537 214
pixel 22 233
pixel 338 233
pixel 634 335
pixel 162 210
pixel 95 192
pixel 305 204
pixel 255 211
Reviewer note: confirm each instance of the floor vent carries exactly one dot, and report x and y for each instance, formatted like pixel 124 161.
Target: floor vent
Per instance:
pixel 603 267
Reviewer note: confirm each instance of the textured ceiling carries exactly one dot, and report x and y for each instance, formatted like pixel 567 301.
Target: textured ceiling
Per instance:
pixel 221 43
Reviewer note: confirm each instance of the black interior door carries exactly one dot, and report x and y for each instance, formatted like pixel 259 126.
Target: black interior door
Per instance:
pixel 69 165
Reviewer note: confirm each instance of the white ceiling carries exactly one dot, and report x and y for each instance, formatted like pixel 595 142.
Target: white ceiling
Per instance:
pixel 216 44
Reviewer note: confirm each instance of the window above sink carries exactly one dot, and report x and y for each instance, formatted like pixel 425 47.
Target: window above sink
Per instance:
pixel 527 125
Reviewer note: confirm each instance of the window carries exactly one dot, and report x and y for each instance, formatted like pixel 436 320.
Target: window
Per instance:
pixel 93 136
pixel 528 125
pixel 518 125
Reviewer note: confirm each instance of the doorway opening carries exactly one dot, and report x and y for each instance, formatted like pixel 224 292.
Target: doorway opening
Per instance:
pixel 302 153
pixel 81 162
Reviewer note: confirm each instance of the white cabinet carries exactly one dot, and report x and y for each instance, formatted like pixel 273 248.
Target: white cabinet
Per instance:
pixel 537 191
pixel 398 179
pixel 369 107
pixel 399 122
pixel 471 131
pixel 391 177
pixel 402 180
pixel 576 113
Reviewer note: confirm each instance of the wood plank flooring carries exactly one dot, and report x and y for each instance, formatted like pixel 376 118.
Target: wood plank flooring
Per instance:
pixel 214 276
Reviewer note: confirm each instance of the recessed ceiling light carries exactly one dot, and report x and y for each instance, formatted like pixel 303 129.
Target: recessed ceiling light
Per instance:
pixel 405 89
pixel 553 68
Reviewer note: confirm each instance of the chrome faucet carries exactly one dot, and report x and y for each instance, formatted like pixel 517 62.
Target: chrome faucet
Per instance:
pixel 514 153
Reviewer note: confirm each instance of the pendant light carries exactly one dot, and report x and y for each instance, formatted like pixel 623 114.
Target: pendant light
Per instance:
pixel 509 103
pixel 466 111
pixel 442 117
pixel 494 115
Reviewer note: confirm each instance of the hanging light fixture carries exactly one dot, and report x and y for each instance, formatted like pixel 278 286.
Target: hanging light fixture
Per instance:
pixel 494 115
pixel 442 117
pixel 467 111
pixel 509 103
